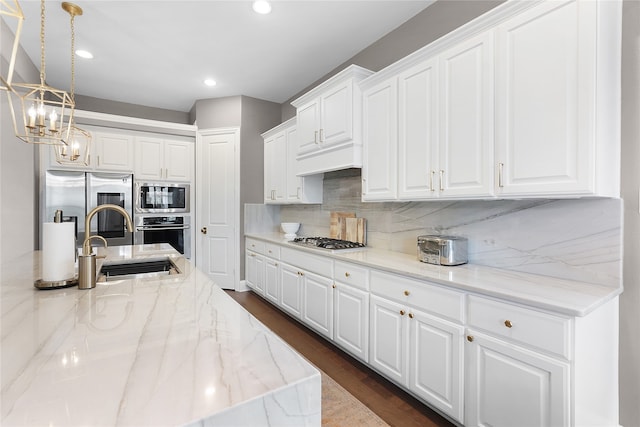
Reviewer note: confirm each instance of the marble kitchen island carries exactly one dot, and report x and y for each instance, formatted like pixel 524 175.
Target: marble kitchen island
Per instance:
pixel 174 350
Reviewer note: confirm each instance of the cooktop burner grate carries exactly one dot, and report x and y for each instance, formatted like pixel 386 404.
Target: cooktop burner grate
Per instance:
pixel 327 243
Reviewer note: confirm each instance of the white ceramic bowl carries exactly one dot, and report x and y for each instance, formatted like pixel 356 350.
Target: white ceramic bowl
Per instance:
pixel 290 229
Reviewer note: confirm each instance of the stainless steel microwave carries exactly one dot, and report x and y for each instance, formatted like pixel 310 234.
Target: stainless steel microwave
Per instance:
pixel 162 197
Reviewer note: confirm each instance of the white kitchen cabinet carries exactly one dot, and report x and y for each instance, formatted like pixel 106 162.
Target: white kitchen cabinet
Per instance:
pixel 466 119
pixel 317 305
pixel 418 131
pixel 351 309
pixel 291 288
pixel 255 272
pixel 272 280
pixel 282 185
pixel 275 149
pixel 380 133
pixel 510 386
pixel 558 78
pixel 163 160
pixel 428 132
pixel 421 351
pixel 114 152
pixel 329 122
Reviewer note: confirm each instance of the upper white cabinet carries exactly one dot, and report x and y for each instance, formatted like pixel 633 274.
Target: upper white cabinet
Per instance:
pixel 329 124
pixel 428 131
pixel 558 100
pixel 163 160
pixel 282 185
pixel 107 152
pixel 521 102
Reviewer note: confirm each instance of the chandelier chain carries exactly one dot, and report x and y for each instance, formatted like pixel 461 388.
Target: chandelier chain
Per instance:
pixel 73 57
pixel 42 61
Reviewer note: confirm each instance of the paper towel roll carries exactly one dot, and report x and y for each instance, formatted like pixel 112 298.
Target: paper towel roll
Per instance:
pixel 58 251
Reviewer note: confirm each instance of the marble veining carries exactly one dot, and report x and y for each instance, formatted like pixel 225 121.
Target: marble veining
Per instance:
pixel 574 239
pixel 174 350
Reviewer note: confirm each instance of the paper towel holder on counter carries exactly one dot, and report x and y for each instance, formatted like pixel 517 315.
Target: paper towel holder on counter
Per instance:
pixel 56 284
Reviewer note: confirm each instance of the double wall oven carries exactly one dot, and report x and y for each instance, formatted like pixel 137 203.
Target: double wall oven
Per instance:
pixel 163 215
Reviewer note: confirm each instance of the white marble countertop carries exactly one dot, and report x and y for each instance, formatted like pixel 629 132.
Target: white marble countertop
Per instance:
pixel 549 293
pixel 174 350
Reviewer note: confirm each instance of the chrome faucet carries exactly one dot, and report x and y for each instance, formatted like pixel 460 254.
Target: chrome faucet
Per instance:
pixel 87 261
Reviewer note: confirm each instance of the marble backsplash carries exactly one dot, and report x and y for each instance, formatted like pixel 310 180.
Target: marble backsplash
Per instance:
pixel 578 239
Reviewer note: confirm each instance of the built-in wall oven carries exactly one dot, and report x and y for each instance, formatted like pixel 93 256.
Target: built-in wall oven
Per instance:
pixel 162 198
pixel 175 230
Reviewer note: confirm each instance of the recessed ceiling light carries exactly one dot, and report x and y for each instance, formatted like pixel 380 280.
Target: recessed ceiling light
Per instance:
pixel 210 82
pixel 261 6
pixel 84 54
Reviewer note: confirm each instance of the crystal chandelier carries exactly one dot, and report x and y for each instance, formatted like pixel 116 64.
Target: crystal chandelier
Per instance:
pixel 11 9
pixel 75 149
pixel 43 108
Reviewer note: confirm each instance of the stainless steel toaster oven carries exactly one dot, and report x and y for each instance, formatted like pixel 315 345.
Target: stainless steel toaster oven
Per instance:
pixel 442 250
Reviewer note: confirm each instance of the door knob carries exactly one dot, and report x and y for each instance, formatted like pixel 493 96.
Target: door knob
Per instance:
pixel 203 230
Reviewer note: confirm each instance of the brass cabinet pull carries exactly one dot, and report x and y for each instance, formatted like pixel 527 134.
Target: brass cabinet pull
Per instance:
pixel 276 264
pixel 431 181
pixel 406 293
pixel 411 315
pixel 321 135
pixel 315 136
pixel 402 312
pixel 346 274
pixel 508 323
pixel 333 286
pixel 300 273
pixel 470 338
pixel 500 171
pixel 441 180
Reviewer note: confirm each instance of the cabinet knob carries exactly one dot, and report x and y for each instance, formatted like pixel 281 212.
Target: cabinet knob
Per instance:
pixel 410 315
pixel 346 274
pixel 508 323
pixel 203 230
pixel 470 338
pixel 333 286
pixel 406 293
pixel 402 312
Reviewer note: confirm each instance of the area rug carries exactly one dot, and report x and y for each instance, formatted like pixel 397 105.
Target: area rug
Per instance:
pixel 340 408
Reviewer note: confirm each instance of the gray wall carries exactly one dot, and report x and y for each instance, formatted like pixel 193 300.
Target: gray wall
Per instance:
pixel 18 172
pixel 218 112
pixel 629 185
pixel 432 23
pixel 89 103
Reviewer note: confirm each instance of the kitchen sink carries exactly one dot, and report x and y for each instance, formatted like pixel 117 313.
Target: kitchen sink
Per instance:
pixel 138 269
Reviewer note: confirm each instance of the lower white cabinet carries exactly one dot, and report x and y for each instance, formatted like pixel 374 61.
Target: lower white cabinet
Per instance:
pixel 291 287
pixel 272 280
pixel 255 272
pixel 510 386
pixel 317 305
pixel 420 352
pixel 351 320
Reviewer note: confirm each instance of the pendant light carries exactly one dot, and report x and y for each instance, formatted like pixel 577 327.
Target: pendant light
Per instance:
pixel 13 10
pixel 75 149
pixel 42 109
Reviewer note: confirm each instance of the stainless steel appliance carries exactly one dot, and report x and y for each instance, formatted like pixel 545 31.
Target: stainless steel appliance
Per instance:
pixel 162 198
pixel 76 193
pixel 442 250
pixel 175 230
pixel 327 243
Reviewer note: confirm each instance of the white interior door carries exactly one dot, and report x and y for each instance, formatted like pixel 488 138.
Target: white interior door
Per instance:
pixel 218 207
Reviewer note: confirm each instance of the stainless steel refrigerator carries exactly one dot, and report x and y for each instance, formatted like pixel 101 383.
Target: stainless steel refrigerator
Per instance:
pixel 76 193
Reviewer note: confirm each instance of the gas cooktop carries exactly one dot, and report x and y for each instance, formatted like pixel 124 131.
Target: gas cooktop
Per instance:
pixel 327 243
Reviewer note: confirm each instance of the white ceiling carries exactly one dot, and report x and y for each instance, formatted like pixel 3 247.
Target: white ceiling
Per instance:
pixel 157 53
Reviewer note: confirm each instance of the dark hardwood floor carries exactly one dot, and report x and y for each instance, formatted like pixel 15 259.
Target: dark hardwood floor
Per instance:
pixel 388 401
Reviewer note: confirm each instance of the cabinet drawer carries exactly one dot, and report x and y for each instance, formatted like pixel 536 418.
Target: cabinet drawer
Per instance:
pixel 351 274
pixel 254 245
pixel 422 295
pixel 534 328
pixel 272 251
pixel 313 263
